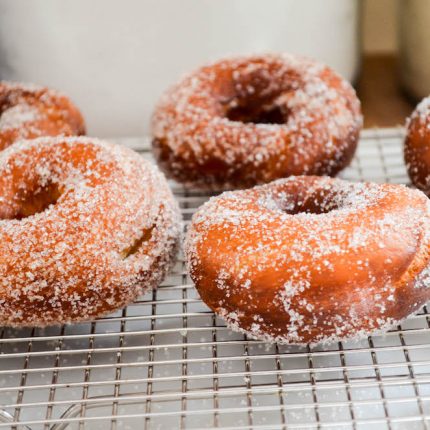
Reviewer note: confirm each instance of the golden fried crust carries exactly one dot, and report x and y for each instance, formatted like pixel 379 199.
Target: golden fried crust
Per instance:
pixel 28 111
pixel 85 227
pixel 249 120
pixel 312 259
pixel 417 146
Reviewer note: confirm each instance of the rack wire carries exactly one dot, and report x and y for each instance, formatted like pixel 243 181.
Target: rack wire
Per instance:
pixel 167 362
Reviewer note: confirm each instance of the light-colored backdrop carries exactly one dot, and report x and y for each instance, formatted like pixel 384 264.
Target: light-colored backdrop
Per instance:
pixel 115 57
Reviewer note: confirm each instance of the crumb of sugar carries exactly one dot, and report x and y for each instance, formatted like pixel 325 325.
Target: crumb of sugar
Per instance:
pixel 17 116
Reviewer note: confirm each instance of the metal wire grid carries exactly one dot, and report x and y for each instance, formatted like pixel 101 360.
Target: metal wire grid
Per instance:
pixel 167 362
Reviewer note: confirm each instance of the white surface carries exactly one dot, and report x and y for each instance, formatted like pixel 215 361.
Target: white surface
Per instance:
pixel 166 362
pixel 114 58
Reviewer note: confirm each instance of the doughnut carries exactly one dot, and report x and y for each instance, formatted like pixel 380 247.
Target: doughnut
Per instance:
pixel 28 111
pixel 311 259
pixel 85 227
pixel 417 146
pixel 250 120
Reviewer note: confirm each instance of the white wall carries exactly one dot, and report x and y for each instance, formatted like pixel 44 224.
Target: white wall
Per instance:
pixel 114 57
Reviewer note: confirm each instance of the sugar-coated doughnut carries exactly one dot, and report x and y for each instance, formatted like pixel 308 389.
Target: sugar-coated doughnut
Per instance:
pixel 249 120
pixel 312 259
pixel 28 111
pixel 85 227
pixel 417 146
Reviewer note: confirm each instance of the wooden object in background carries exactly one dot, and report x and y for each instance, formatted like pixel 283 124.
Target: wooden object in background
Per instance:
pixel 378 87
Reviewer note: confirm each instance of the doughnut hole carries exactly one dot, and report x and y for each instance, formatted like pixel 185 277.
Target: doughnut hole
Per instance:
pixel 28 202
pixel 315 201
pixel 257 114
pixel 257 97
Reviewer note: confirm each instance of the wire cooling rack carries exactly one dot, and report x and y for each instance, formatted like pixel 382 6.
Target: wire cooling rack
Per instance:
pixel 167 362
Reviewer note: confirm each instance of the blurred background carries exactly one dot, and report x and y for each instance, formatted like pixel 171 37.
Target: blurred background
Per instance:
pixel 115 57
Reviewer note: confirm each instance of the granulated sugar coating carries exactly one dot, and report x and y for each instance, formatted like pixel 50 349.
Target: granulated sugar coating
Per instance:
pixel 85 227
pixel 312 259
pixel 28 111
pixel 417 146
pixel 250 120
